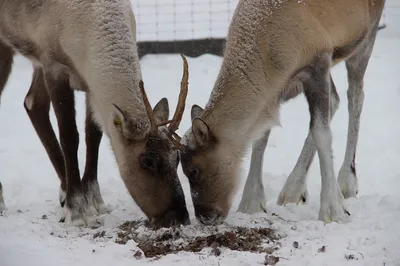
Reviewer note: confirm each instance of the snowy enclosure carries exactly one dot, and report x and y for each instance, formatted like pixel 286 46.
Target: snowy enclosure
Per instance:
pixel 30 234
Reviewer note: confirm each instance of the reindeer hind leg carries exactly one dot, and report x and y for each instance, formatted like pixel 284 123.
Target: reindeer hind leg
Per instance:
pixel 37 106
pixel 356 67
pixel 6 60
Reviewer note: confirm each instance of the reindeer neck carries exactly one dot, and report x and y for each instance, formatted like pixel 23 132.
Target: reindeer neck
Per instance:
pixel 234 103
pixel 116 82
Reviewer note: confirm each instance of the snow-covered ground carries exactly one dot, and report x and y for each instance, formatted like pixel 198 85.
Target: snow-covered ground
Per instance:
pixel 373 235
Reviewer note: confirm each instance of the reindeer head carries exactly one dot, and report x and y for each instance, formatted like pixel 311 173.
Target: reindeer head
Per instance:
pixel 148 159
pixel 211 164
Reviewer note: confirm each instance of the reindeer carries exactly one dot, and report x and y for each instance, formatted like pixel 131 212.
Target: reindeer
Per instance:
pixel 275 50
pixel 91 46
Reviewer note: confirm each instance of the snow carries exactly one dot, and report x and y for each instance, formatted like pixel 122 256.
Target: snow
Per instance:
pixel 372 236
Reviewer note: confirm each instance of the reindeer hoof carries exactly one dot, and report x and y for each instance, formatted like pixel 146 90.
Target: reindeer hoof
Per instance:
pixel 251 206
pixel 94 198
pixel 293 194
pixel 332 208
pixel 77 212
pixel 2 208
pixel 348 183
pixel 334 213
pixel 79 217
pixel 62 195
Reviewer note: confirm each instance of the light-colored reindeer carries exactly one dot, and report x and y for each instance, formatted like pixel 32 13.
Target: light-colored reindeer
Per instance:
pixel 275 50
pixel 91 46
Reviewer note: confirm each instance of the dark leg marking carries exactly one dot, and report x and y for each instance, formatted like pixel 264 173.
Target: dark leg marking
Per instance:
pixel 37 106
pixel 62 98
pixel 6 61
pixel 89 180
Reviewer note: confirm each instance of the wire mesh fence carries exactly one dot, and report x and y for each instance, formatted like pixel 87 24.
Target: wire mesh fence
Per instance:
pixel 192 27
pixel 167 20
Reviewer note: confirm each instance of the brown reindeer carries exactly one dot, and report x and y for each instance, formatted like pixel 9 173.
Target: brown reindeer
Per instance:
pixel 275 50
pixel 91 46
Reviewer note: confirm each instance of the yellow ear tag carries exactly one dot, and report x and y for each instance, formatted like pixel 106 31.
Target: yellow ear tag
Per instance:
pixel 117 122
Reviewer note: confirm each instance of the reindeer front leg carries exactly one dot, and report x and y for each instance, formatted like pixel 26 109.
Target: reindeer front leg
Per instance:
pixel 77 211
pixel 318 93
pixel 295 188
pixel 89 179
pixel 253 198
pixel 356 67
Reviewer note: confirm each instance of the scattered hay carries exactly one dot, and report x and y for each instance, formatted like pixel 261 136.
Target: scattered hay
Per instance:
pixel 190 239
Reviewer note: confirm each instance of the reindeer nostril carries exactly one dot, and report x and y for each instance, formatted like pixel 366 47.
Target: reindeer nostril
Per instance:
pixel 178 215
pixel 194 173
pixel 208 216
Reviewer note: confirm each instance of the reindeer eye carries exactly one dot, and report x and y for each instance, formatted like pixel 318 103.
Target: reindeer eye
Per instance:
pixel 148 163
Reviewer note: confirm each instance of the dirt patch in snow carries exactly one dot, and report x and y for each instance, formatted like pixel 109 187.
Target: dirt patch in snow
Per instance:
pixel 157 243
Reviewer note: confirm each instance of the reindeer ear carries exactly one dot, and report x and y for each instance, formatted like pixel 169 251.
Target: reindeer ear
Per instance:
pixel 127 126
pixel 196 111
pixel 201 132
pixel 161 110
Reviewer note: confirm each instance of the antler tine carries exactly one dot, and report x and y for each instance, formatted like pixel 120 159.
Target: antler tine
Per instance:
pixel 176 136
pixel 166 122
pixel 149 110
pixel 175 142
pixel 180 108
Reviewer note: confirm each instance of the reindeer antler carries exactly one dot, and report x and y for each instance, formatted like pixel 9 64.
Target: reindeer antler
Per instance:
pixel 180 108
pixel 149 110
